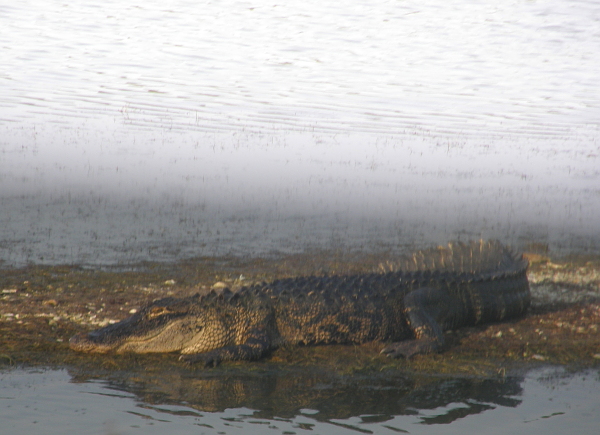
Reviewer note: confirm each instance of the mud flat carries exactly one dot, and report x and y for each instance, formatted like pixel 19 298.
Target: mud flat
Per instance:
pixel 42 307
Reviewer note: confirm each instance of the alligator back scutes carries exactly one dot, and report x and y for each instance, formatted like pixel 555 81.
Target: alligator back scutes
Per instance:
pixel 486 258
pixel 459 263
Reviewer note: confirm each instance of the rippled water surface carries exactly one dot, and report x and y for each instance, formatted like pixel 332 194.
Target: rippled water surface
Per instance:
pixel 547 401
pixel 157 131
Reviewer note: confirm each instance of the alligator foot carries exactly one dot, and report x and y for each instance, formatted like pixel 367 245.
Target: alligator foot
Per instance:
pixel 424 309
pixel 256 346
pixel 409 348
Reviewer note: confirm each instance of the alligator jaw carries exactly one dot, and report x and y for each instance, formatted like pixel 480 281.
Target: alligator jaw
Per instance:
pixel 128 336
pixel 113 337
pixel 83 342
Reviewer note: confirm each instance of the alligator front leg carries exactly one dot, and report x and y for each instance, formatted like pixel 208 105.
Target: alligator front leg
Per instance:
pixel 255 347
pixel 426 309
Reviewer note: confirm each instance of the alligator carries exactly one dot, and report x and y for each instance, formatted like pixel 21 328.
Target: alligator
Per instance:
pixel 407 304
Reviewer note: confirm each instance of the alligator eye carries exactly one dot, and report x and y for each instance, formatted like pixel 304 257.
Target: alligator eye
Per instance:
pixel 198 328
pixel 156 312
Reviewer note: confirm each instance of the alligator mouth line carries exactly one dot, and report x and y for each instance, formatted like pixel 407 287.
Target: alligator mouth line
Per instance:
pixel 82 342
pixel 86 342
pixel 90 342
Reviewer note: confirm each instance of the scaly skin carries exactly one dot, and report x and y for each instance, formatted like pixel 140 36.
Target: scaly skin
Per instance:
pixel 411 306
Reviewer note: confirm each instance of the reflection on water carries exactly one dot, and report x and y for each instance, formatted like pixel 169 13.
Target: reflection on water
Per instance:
pixel 547 401
pixel 285 395
pixel 136 131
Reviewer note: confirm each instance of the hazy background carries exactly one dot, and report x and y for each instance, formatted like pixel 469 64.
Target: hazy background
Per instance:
pixel 164 130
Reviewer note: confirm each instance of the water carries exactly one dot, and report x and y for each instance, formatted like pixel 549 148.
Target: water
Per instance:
pixel 544 401
pixel 135 131
pixel 149 131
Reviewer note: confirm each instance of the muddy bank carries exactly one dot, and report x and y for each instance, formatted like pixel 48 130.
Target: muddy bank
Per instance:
pixel 42 307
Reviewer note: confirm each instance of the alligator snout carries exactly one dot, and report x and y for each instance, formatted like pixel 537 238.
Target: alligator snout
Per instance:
pixel 84 342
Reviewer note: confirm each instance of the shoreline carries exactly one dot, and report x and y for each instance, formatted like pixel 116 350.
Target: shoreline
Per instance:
pixel 41 307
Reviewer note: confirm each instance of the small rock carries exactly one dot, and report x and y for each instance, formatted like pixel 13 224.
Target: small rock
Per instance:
pixel 50 302
pixel 597 356
pixel 132 311
pixel 219 284
pixel 9 290
pixel 170 282
pixel 538 357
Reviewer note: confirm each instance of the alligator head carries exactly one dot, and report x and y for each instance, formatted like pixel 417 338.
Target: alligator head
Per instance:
pixel 166 325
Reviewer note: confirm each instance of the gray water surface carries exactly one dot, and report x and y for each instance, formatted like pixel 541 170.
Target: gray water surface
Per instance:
pixel 544 401
pixel 144 131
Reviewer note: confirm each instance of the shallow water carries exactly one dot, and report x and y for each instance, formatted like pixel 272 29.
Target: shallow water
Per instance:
pixel 544 401
pixel 134 132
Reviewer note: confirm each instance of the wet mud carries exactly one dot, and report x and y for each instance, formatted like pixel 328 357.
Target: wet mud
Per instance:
pixel 42 307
